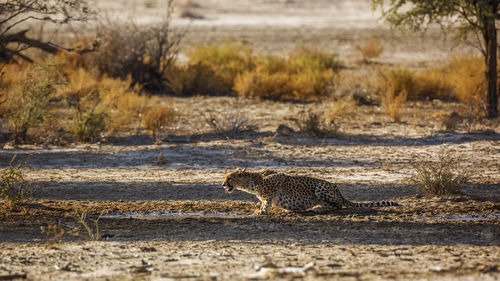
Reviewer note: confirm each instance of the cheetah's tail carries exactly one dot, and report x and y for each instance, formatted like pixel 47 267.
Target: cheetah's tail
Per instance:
pixel 370 204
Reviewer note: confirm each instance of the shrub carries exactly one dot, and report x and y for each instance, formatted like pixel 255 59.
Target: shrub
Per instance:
pixel 87 124
pixel 13 185
pixel 313 59
pixel 196 79
pixel 441 177
pixel 231 123
pixel 82 92
pixel 305 75
pixel 157 117
pixel 268 80
pixel 392 103
pixel 427 84
pixel 27 101
pixel 84 228
pixel 339 108
pixel 211 69
pixel 145 54
pixel 311 123
pixel 370 49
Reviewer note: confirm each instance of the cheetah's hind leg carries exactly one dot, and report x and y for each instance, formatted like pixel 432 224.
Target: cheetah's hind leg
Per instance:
pixel 326 207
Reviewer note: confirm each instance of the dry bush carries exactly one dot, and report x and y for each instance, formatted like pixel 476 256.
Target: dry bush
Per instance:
pixel 394 87
pixel 13 185
pixel 392 103
pixel 312 123
pixel 27 102
pixel 424 85
pixel 338 108
pixel 451 122
pixel 465 74
pixel 211 69
pixel 306 74
pixel 370 49
pixel 431 84
pixel 441 177
pixel 87 123
pixel 230 123
pixel 196 79
pixel 313 59
pixel 268 80
pixel 145 54
pixel 97 101
pixel 461 78
pixel 159 116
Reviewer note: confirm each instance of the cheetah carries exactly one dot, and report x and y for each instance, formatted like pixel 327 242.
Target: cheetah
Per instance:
pixel 292 193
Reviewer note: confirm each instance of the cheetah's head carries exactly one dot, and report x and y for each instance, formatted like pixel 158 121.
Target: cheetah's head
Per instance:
pixel 237 179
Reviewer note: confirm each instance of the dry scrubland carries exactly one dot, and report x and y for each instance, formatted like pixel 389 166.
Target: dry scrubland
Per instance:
pixel 127 148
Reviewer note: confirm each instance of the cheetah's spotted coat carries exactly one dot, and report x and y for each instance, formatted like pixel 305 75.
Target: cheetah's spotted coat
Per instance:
pixel 294 193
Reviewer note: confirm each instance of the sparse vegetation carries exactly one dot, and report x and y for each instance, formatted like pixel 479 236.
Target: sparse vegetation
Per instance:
pixel 27 102
pixel 158 117
pixel 370 49
pixel 85 228
pixel 13 185
pixel 54 234
pixel 314 124
pixel 474 19
pixel 229 124
pixel 339 108
pixel 306 74
pixel 439 178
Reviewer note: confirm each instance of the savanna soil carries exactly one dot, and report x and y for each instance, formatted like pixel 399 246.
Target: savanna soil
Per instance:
pixel 172 220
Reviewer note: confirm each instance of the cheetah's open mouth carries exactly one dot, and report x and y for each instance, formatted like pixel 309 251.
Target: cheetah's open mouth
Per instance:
pixel 229 188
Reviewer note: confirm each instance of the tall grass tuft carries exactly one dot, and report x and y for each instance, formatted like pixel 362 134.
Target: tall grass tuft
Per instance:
pixel 370 49
pixel 157 117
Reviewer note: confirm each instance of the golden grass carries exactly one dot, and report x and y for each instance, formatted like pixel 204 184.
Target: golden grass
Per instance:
pixel 306 74
pixel 211 69
pixel 157 117
pixel 392 103
pixel 370 49
pixel 339 108
pixel 465 75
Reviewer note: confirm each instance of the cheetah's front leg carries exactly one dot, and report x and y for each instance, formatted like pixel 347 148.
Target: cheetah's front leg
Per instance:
pixel 264 207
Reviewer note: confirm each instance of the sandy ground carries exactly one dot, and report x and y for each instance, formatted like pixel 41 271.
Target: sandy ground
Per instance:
pixel 173 221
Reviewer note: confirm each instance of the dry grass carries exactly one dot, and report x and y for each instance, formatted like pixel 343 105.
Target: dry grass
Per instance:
pixel 307 74
pixel 394 86
pixel 465 75
pixel 157 117
pixel 392 104
pixel 231 123
pixel 211 69
pixel 266 80
pixel 312 123
pixel 339 108
pixel 27 101
pixel 370 49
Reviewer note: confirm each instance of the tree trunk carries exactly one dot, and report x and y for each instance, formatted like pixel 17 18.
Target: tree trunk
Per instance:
pixel 490 40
